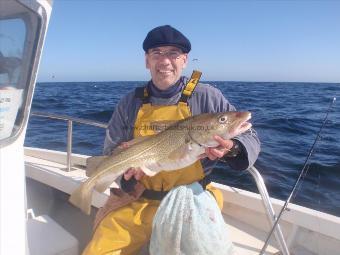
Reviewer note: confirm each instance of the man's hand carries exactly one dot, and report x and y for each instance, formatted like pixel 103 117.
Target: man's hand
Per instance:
pixel 219 151
pixel 136 172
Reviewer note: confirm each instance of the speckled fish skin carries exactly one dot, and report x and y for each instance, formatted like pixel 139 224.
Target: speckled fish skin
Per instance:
pixel 178 146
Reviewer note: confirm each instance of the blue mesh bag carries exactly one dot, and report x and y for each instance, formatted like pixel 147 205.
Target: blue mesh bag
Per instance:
pixel 189 222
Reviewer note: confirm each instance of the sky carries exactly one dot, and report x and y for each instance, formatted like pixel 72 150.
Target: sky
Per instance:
pixel 288 41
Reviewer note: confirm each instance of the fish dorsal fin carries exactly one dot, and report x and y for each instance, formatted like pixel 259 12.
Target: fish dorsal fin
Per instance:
pixel 159 126
pixel 92 163
pixel 117 150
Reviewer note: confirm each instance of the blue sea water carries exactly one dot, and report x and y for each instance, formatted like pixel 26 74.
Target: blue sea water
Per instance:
pixel 287 117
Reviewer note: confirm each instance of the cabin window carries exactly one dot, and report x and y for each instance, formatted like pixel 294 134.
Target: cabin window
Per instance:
pixel 18 32
pixel 12 37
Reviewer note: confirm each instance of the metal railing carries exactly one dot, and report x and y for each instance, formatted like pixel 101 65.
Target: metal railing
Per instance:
pixel 252 170
pixel 269 209
pixel 70 121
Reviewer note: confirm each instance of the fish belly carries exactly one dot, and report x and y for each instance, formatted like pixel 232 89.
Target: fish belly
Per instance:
pixel 180 159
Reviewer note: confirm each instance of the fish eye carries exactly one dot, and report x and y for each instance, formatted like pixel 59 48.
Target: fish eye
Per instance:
pixel 222 119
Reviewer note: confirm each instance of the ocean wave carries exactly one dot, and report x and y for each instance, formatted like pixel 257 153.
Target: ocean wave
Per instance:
pixel 102 116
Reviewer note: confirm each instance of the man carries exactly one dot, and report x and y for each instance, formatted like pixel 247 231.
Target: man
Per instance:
pixel 168 96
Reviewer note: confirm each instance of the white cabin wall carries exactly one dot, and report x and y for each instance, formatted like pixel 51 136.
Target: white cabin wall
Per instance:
pixel 12 198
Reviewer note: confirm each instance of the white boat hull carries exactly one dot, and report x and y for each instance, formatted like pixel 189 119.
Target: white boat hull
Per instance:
pixel 306 231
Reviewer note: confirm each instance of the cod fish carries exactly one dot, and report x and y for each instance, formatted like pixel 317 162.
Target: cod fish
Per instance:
pixel 179 145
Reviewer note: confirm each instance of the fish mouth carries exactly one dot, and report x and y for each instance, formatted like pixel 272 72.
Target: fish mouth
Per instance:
pixel 243 124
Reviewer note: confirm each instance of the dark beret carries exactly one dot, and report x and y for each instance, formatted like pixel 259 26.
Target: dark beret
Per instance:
pixel 166 36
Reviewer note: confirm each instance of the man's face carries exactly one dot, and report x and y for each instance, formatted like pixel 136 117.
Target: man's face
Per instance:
pixel 166 64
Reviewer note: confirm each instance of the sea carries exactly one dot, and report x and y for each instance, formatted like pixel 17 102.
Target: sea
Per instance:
pixel 286 115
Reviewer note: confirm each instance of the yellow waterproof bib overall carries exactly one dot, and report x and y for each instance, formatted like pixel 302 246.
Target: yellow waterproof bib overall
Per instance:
pixel 125 230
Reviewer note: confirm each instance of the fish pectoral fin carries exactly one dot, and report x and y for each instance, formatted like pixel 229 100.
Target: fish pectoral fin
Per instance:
pixel 92 163
pixel 180 152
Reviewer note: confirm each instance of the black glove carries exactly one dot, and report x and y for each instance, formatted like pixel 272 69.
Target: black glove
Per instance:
pixel 128 185
pixel 235 150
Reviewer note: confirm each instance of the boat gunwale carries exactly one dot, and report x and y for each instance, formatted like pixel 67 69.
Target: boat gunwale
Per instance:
pixel 301 216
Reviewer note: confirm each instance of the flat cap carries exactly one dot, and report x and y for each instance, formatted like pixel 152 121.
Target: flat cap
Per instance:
pixel 166 36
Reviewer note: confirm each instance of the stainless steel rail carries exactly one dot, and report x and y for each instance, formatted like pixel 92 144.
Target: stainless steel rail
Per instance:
pixel 68 118
pixel 252 170
pixel 70 121
pixel 269 209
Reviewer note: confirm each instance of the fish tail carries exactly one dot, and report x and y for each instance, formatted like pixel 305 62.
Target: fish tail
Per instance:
pixel 82 198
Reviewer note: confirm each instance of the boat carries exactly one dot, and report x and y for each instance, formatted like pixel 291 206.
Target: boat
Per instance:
pixel 35 215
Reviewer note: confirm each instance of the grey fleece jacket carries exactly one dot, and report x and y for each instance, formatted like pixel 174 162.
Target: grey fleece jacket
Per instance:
pixel 205 99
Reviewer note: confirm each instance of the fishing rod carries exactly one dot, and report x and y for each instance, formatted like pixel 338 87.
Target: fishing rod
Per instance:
pixel 304 168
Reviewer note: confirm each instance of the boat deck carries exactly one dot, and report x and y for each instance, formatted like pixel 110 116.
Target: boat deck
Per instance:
pixel 246 238
pixel 306 231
